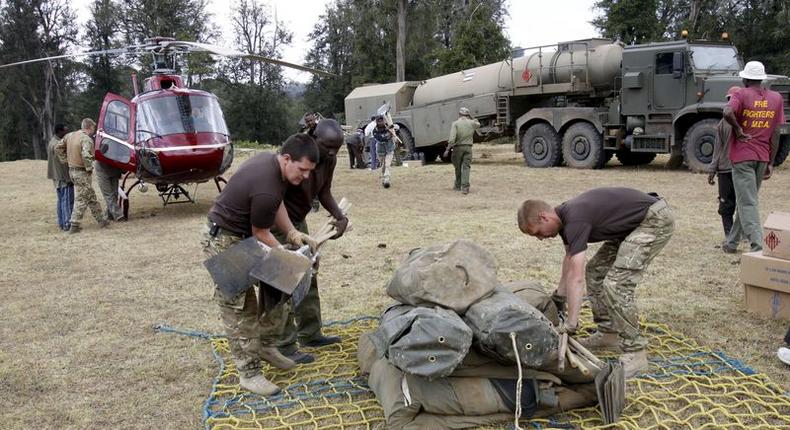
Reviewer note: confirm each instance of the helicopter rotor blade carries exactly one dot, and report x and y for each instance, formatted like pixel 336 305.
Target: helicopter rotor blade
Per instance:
pixel 287 64
pixel 125 50
pixel 232 53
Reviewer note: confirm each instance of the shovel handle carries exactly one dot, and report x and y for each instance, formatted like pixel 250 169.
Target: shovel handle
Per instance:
pixel 563 347
pixel 584 352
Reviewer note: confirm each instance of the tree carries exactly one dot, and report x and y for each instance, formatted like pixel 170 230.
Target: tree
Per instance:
pixel 475 37
pixel 252 92
pixel 180 19
pixel 30 29
pixel 102 73
pixel 357 39
pixel 400 72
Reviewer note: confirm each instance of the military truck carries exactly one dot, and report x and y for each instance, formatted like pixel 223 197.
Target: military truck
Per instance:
pixel 579 103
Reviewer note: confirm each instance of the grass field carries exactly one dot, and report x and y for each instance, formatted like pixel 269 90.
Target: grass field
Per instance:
pixel 77 348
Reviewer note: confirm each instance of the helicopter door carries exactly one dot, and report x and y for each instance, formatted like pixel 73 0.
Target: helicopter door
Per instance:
pixel 114 135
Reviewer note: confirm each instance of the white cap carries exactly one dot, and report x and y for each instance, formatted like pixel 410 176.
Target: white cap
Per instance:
pixel 464 111
pixel 753 71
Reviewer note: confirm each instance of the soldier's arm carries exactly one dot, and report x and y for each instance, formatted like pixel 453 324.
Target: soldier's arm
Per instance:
pixel 453 136
pixel 265 235
pixel 87 152
pixel 281 220
pixel 60 151
pixel 574 285
pixel 476 123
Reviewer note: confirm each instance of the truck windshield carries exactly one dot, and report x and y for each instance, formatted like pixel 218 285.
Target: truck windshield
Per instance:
pixel 179 114
pixel 708 58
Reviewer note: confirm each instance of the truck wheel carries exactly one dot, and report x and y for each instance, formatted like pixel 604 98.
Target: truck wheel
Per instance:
pixel 628 158
pixel 698 144
pixel 784 150
pixel 582 147
pixel 406 151
pixel 541 146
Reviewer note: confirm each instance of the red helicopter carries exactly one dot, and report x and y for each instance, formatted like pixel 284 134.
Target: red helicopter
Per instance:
pixel 167 135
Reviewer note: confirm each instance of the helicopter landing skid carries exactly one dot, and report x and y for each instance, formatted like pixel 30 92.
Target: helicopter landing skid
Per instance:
pixel 217 180
pixel 172 193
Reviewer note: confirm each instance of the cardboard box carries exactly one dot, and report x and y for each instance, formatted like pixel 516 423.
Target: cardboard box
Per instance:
pixel 771 303
pixel 776 235
pixel 765 272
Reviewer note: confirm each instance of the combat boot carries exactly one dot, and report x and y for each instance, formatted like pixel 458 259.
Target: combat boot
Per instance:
pixel 274 357
pixel 75 228
pixel 464 190
pixel 258 384
pixel 634 363
pixel 601 340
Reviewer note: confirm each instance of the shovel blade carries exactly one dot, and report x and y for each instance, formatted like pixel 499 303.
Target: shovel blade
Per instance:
pixel 282 269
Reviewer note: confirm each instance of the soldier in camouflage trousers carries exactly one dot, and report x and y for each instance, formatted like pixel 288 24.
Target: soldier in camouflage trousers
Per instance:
pixel 76 149
pixel 249 338
pixel 614 272
pixel 634 227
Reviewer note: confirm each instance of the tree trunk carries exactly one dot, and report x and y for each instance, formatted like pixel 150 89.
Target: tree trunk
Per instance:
pixel 400 48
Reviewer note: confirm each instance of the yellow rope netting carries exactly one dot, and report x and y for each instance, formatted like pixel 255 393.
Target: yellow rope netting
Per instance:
pixel 686 387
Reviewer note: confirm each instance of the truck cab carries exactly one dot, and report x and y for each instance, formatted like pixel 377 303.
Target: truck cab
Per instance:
pixel 671 99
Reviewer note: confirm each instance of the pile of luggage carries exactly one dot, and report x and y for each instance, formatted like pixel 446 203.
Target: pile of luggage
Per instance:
pixel 461 350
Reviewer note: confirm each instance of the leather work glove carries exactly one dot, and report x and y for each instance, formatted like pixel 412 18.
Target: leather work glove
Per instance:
pixel 340 226
pixel 299 239
pixel 559 302
pixel 565 327
pixel 447 153
pixel 712 178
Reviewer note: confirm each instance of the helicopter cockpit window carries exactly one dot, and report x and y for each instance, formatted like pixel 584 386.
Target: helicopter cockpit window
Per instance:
pixel 180 114
pixel 116 120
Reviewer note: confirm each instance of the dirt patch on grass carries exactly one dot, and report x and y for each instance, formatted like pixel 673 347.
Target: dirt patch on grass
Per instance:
pixel 77 348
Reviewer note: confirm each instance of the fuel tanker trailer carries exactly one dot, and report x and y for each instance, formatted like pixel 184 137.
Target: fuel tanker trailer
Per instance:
pixel 578 103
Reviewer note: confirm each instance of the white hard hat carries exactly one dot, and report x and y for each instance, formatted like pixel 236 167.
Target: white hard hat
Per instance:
pixel 464 111
pixel 753 71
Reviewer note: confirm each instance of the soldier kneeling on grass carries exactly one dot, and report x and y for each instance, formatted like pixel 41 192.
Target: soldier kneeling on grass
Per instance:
pixel 634 227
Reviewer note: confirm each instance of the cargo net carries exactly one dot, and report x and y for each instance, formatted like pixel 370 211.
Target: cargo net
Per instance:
pixel 686 386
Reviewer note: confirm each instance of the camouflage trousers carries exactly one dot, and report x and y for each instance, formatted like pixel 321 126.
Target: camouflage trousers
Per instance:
pixel 304 322
pixel 246 333
pixel 616 269
pixel 84 197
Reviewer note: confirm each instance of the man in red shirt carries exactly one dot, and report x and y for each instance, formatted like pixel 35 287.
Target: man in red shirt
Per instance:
pixel 753 113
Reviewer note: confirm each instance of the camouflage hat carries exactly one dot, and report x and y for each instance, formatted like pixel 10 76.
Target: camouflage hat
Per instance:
pixel 464 111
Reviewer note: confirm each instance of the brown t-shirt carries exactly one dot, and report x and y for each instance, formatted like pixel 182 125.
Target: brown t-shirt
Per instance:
pixel 251 197
pixel 601 214
pixel 299 198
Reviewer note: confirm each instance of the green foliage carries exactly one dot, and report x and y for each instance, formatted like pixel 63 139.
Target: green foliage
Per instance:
pixel 478 39
pixel 758 28
pixel 355 39
pixel 33 96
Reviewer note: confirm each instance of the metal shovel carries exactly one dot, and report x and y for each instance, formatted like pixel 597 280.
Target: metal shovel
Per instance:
pixel 286 271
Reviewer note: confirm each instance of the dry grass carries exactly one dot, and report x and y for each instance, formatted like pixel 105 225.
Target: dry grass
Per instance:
pixel 77 349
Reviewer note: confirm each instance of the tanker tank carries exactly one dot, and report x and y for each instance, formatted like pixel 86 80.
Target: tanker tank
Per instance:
pixel 595 59
pixel 601 62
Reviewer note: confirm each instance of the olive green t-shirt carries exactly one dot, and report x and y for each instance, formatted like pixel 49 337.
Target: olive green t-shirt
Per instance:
pixel 601 214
